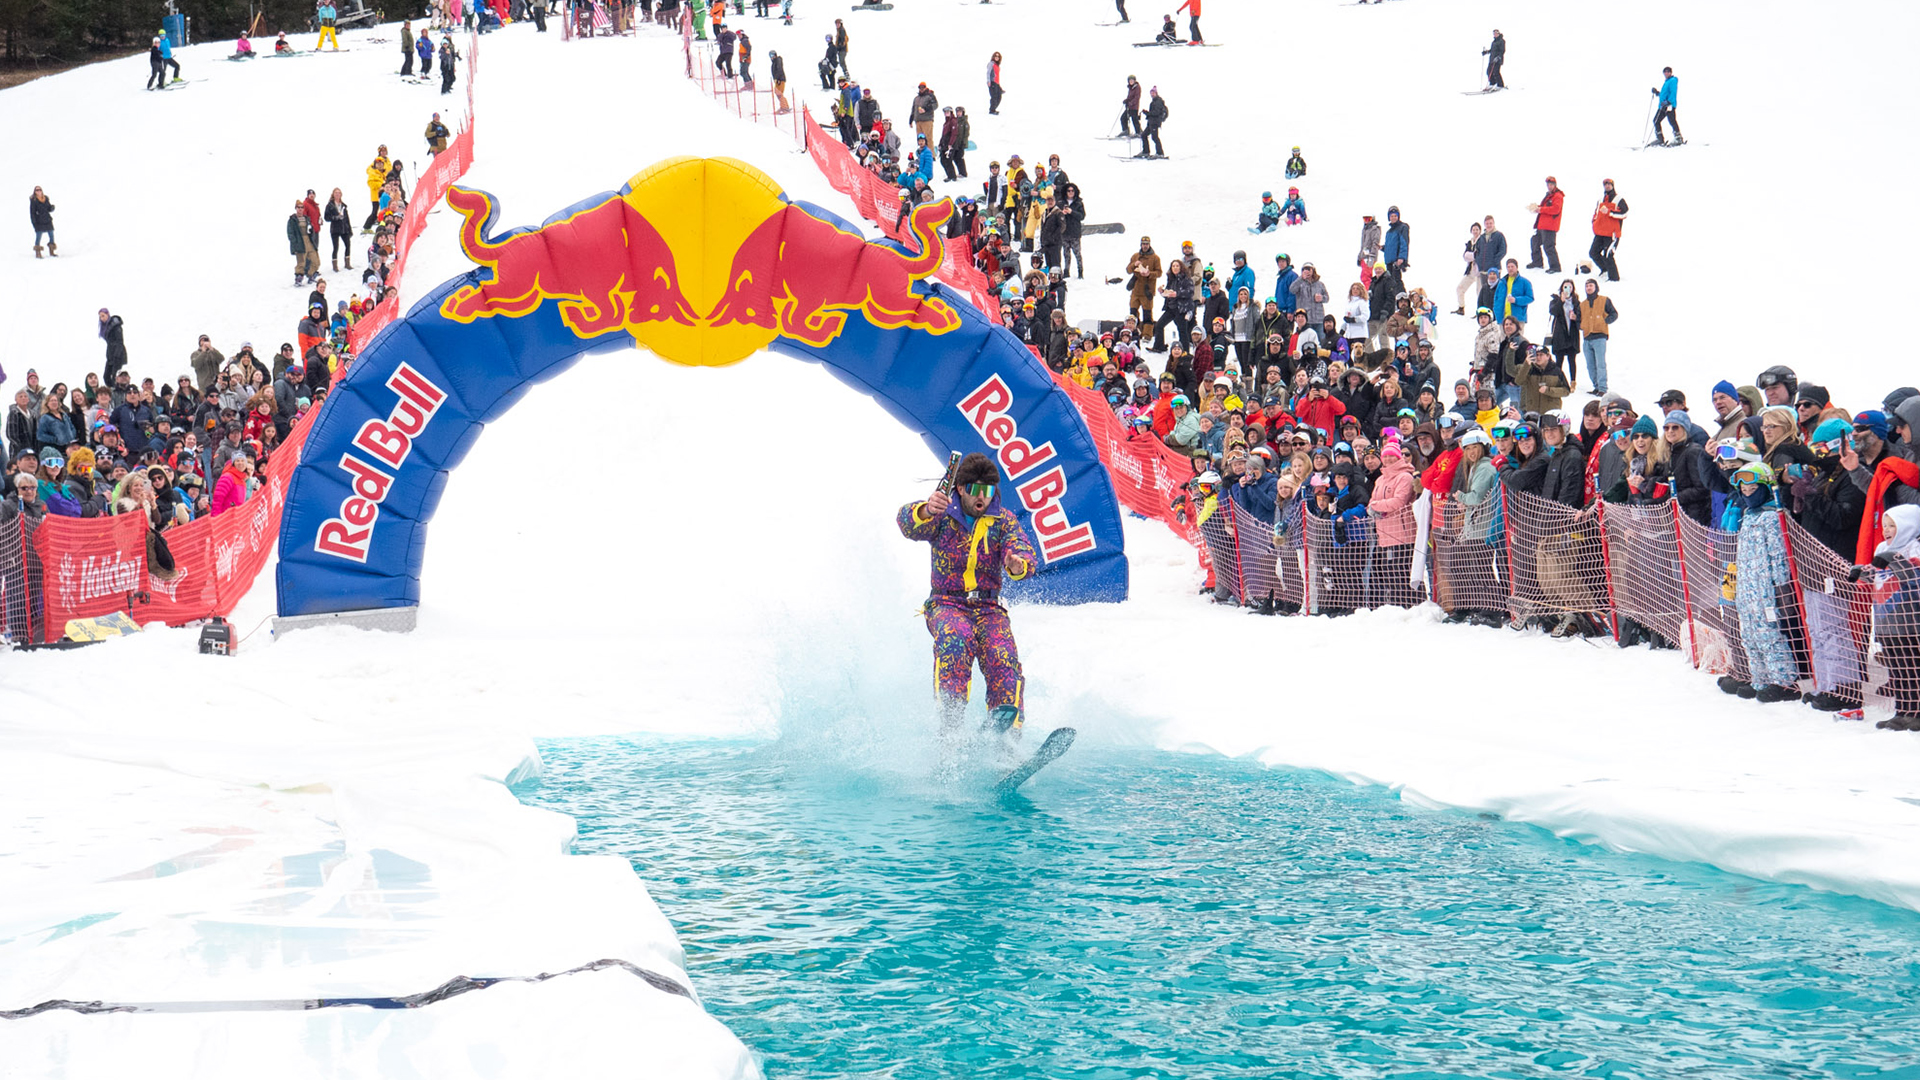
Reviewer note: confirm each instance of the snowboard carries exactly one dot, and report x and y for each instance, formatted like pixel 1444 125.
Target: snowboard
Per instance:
pixel 1103 228
pixel 1058 741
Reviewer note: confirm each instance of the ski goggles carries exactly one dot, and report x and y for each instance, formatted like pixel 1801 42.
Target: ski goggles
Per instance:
pixel 1525 431
pixel 1757 473
pixel 978 491
pixel 1503 431
pixel 1727 451
pixel 1831 447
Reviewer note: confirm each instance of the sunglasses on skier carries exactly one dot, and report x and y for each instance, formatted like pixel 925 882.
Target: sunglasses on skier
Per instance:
pixel 980 491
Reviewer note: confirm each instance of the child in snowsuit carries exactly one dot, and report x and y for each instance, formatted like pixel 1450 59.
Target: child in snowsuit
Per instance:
pixel 280 46
pixel 976 545
pixel 1296 165
pixel 1269 214
pixel 1762 588
pixel 1294 208
pixel 1169 34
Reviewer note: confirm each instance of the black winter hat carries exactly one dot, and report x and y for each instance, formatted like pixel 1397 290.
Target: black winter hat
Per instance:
pixel 1816 394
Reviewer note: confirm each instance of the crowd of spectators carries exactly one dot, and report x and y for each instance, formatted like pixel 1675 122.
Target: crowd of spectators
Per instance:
pixel 196 445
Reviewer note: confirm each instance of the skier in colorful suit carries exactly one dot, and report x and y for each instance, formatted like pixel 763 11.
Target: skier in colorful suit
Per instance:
pixel 976 544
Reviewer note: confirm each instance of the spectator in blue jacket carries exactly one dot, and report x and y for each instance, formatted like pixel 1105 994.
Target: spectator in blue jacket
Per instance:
pixel 54 429
pixel 1257 491
pixel 1399 243
pixel 922 161
pixel 1242 277
pixel 1283 285
pixel 1513 294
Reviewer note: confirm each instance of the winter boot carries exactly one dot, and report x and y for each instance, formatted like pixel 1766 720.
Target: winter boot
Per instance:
pixel 349 260
pixel 1767 695
pixel 1846 697
pixel 36 252
pixel 1900 723
pixel 336 265
pixel 1734 686
pixel 53 249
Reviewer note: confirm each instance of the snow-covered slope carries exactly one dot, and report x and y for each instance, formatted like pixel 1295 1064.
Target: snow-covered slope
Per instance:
pixel 640 546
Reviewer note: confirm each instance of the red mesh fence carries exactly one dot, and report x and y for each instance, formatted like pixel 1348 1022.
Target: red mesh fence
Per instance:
pixel 1558 563
pixel 1257 575
pixel 1714 646
pixel 1643 557
pixel 756 101
pixel 1469 555
pixel 20 581
pixel 1838 648
pixel 1216 531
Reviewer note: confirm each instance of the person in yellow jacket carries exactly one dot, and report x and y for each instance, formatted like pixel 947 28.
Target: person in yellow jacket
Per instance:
pixel 376 179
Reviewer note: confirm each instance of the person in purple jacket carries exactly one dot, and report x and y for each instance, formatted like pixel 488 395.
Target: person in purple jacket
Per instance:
pixel 977 544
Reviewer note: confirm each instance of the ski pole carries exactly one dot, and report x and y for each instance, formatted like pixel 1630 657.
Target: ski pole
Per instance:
pixel 1645 137
pixel 1116 123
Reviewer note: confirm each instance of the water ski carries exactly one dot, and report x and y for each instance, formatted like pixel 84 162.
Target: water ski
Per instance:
pixel 1058 741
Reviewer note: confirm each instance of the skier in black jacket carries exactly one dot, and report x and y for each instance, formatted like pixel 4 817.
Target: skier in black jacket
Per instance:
pixel 1496 55
pixel 1156 116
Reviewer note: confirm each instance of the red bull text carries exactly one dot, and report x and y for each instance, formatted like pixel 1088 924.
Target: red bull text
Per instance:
pixel 388 443
pixel 987 409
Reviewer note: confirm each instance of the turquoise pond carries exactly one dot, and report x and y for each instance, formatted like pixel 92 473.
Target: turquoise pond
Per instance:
pixel 1143 913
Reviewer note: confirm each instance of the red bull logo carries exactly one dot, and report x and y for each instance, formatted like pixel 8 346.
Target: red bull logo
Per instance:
pixel 988 409
pixel 608 265
pixel 645 261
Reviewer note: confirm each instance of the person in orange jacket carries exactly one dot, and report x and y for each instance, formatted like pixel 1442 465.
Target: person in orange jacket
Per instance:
pixel 1192 8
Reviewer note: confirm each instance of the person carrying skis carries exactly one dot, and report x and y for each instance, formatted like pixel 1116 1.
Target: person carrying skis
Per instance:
pixel 1156 115
pixel 1496 55
pixel 1269 219
pixel 1192 8
pixel 1669 95
pixel 976 545
pixel 1295 208
pixel 1296 165
pixel 1546 227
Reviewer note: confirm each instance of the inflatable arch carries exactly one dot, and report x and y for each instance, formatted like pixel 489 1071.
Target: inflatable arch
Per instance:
pixel 704 261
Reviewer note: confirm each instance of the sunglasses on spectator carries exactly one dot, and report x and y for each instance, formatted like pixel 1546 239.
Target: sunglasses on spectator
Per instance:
pixel 978 491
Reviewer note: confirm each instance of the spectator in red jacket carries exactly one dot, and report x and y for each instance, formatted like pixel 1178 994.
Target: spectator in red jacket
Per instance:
pixel 1321 410
pixel 231 491
pixel 1546 227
